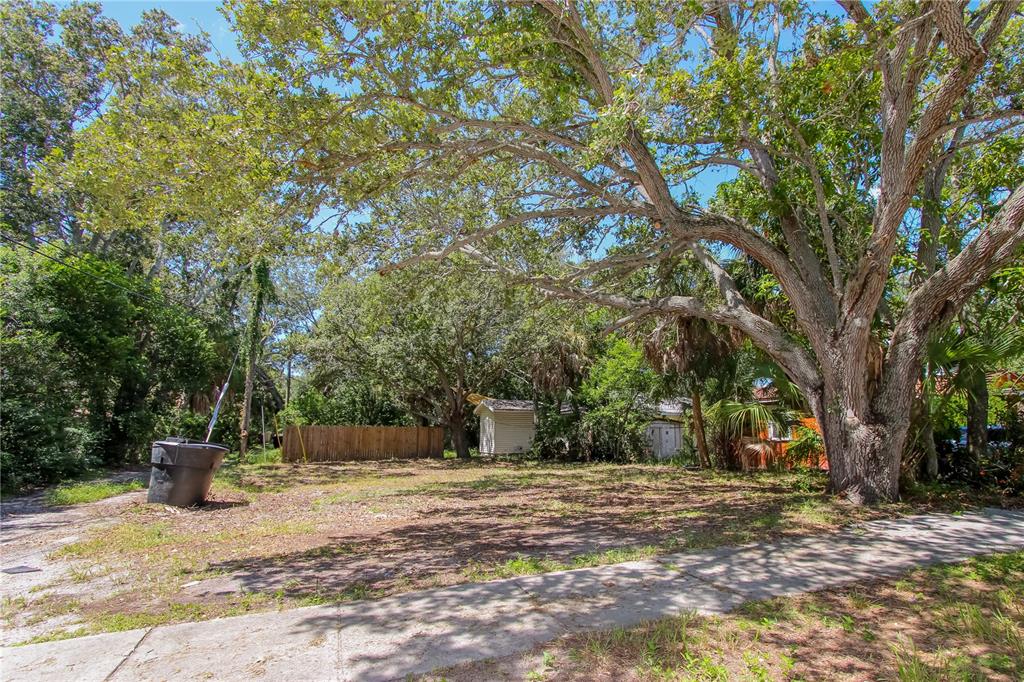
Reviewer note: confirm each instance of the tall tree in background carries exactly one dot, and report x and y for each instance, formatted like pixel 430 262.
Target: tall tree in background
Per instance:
pixel 261 292
pixel 428 336
pixel 47 87
pixel 593 120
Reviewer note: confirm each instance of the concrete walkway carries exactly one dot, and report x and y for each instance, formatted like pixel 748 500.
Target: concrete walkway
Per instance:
pixel 418 632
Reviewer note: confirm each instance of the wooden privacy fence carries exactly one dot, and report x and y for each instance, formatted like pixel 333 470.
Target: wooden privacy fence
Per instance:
pixel 359 443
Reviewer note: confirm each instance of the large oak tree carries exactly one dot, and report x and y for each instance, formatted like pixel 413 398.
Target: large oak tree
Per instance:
pixel 840 126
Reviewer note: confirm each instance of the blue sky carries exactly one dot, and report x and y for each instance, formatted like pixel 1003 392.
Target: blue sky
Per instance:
pixel 194 15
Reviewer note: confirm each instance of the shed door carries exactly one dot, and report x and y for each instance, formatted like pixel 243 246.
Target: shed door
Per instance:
pixel 669 441
pixel 487 435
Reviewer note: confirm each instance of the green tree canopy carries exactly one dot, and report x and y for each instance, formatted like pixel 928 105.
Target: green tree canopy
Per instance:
pixel 576 122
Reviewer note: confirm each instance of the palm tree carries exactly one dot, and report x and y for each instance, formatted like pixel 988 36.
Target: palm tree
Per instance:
pixel 692 351
pixel 957 363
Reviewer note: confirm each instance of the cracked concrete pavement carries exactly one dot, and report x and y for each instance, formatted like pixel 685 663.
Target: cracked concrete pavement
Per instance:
pixel 418 632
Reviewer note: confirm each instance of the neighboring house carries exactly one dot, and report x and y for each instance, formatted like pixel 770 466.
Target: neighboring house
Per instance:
pixel 1009 386
pixel 768 448
pixel 506 426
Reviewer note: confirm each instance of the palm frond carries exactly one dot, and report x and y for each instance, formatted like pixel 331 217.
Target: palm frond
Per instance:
pixel 738 418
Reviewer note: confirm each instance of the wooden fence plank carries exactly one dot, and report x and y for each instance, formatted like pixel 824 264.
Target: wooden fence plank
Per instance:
pixel 360 443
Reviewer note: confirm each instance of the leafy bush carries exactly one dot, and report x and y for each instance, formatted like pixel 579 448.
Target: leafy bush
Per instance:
pixel 41 438
pixel 349 404
pixel 806 446
pixel 612 422
pixel 260 456
pixel 93 358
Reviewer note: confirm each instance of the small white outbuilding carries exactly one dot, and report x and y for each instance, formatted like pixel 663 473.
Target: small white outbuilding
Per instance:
pixel 506 426
pixel 665 432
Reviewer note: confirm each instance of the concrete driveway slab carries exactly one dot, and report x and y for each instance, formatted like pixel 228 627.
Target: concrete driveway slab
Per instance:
pixel 83 659
pixel 301 644
pixel 421 631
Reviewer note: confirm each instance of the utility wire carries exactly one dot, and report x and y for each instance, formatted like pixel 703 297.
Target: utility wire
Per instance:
pixel 190 306
pixel 79 270
pixel 72 254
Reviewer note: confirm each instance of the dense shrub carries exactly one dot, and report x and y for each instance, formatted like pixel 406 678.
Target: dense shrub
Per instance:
pixel 41 439
pixel 92 357
pixel 613 416
pixel 806 446
pixel 347 404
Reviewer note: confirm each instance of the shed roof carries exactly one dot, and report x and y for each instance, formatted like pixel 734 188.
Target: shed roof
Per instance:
pixel 496 405
pixel 672 408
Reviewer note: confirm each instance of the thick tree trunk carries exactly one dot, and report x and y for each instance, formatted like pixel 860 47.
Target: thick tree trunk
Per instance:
pixel 460 440
pixel 698 430
pixel 863 434
pixel 977 421
pixel 863 458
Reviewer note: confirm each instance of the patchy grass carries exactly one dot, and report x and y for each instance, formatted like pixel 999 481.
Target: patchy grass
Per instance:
pixel 310 534
pixel 532 565
pixel 261 457
pixel 951 622
pixel 127 539
pixel 80 493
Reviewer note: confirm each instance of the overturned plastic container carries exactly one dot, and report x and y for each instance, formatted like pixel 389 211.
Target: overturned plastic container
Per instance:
pixel 182 471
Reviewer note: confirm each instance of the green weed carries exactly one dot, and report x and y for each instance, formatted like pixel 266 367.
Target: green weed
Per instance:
pixel 81 493
pixel 127 537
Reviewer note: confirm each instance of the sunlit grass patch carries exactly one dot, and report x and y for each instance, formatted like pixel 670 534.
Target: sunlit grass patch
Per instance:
pixel 614 556
pixel 260 456
pixel 562 508
pixel 97 623
pixel 120 540
pixel 289 527
pixel 814 511
pixel 80 493
pixel 520 565
pixel 531 565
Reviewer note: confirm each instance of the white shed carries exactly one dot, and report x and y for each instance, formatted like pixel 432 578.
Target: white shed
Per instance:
pixel 665 431
pixel 506 426
pixel 665 438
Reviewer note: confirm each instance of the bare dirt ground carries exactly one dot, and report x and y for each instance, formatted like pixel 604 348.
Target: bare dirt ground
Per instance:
pixel 276 536
pixel 953 622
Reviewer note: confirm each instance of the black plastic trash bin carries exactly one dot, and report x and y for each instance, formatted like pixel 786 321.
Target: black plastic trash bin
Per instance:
pixel 183 471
